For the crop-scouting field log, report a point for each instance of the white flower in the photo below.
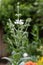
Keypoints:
(19, 21)
(25, 55)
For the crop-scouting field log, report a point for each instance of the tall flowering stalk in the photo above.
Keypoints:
(18, 15)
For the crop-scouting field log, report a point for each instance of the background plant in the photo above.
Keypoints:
(26, 37)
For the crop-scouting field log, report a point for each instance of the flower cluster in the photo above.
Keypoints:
(40, 61)
(19, 21)
(30, 63)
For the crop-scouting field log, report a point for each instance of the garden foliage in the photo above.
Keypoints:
(26, 37)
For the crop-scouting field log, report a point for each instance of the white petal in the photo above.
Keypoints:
(25, 55)
(19, 21)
